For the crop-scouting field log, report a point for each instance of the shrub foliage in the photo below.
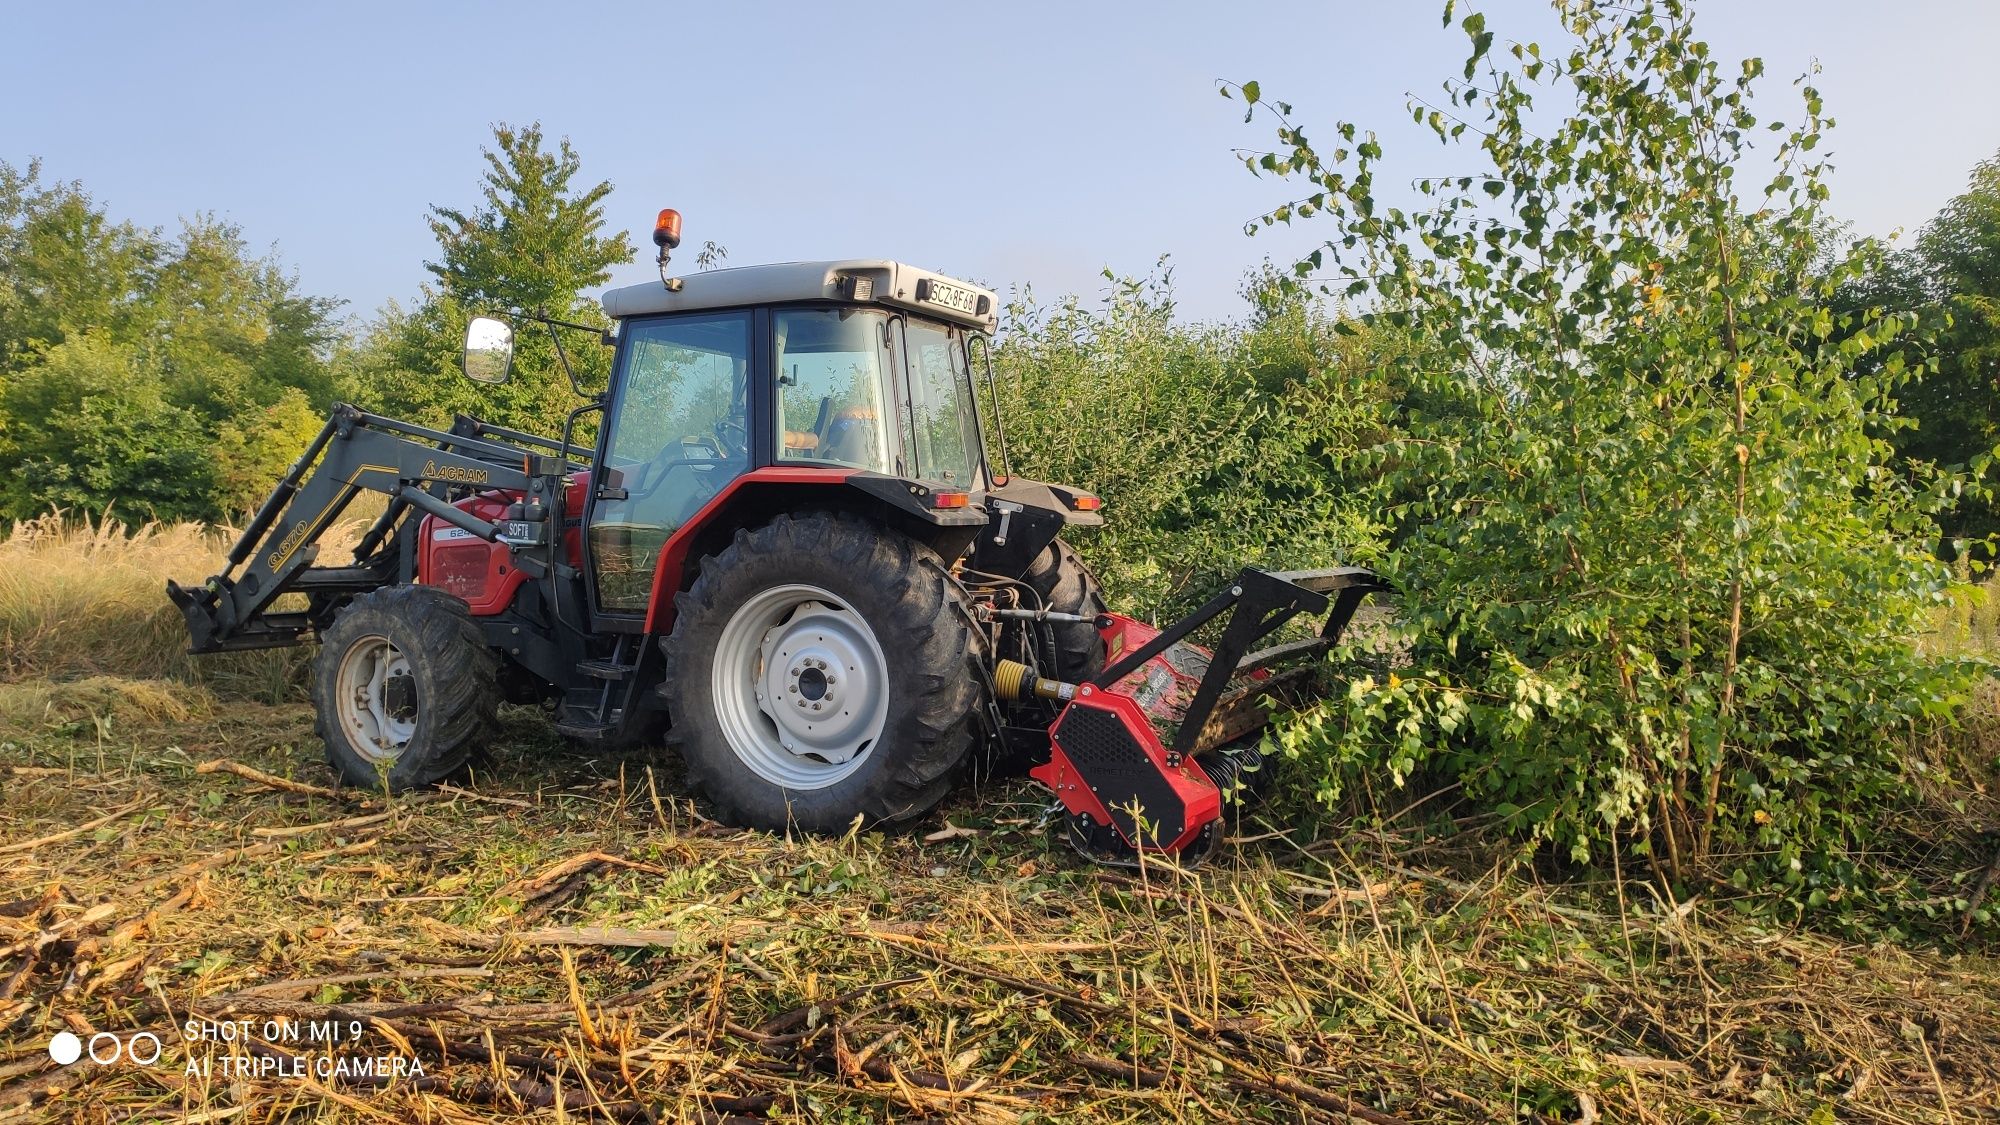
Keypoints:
(1215, 446)
(1661, 592)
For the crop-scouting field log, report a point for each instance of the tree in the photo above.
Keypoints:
(64, 265)
(1950, 278)
(1235, 445)
(535, 245)
(124, 353)
(1659, 590)
(92, 431)
(253, 451)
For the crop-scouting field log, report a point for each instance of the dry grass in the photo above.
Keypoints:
(79, 599)
(1968, 624)
(572, 942)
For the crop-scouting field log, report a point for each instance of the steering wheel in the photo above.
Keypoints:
(730, 436)
(647, 475)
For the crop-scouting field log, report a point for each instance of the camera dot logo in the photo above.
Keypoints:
(105, 1048)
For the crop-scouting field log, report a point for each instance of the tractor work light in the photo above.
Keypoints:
(950, 499)
(667, 229)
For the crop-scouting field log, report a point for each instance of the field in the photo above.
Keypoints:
(570, 939)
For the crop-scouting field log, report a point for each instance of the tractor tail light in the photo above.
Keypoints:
(1086, 503)
(950, 499)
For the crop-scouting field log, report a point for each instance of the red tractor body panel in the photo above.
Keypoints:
(482, 574)
(469, 567)
(673, 561)
(466, 566)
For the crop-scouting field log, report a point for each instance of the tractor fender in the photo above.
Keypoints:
(760, 495)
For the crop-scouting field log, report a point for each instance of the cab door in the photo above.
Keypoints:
(677, 432)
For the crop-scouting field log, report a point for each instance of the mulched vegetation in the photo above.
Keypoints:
(569, 939)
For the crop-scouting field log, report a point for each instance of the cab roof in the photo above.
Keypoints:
(877, 281)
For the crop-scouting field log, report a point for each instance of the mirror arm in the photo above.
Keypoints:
(595, 330)
(563, 355)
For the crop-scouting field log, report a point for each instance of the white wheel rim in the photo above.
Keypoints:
(376, 710)
(801, 687)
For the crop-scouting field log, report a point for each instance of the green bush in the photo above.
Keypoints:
(138, 369)
(1660, 589)
(1214, 446)
(91, 432)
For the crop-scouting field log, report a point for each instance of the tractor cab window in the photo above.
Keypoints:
(940, 426)
(678, 434)
(830, 364)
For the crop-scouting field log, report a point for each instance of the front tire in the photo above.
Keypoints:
(404, 689)
(822, 668)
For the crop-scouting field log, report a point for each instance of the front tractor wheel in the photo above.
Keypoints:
(404, 689)
(822, 668)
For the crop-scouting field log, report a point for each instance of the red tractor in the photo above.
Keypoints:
(788, 551)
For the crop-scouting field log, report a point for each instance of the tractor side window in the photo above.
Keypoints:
(830, 397)
(940, 426)
(678, 436)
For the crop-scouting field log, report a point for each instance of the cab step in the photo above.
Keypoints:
(584, 731)
(606, 669)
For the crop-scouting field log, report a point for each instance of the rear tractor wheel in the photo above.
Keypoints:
(1068, 586)
(404, 689)
(822, 668)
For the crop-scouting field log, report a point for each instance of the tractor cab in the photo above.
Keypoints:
(859, 368)
(860, 373)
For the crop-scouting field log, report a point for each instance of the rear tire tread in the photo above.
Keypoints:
(1067, 586)
(930, 734)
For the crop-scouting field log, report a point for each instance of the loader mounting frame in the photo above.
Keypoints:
(417, 468)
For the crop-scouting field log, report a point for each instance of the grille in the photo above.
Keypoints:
(1099, 741)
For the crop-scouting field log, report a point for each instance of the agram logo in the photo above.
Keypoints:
(454, 473)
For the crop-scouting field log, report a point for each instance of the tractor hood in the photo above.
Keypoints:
(874, 281)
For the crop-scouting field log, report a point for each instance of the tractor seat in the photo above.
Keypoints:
(851, 437)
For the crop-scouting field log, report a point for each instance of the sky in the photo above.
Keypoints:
(1022, 144)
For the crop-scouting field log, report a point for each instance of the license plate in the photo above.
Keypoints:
(953, 297)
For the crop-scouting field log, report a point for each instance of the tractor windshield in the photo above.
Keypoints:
(839, 372)
(830, 388)
(940, 427)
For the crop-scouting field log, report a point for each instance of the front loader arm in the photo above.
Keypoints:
(357, 452)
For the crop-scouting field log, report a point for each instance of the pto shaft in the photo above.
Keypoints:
(1013, 680)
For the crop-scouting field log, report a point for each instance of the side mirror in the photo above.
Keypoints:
(489, 350)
